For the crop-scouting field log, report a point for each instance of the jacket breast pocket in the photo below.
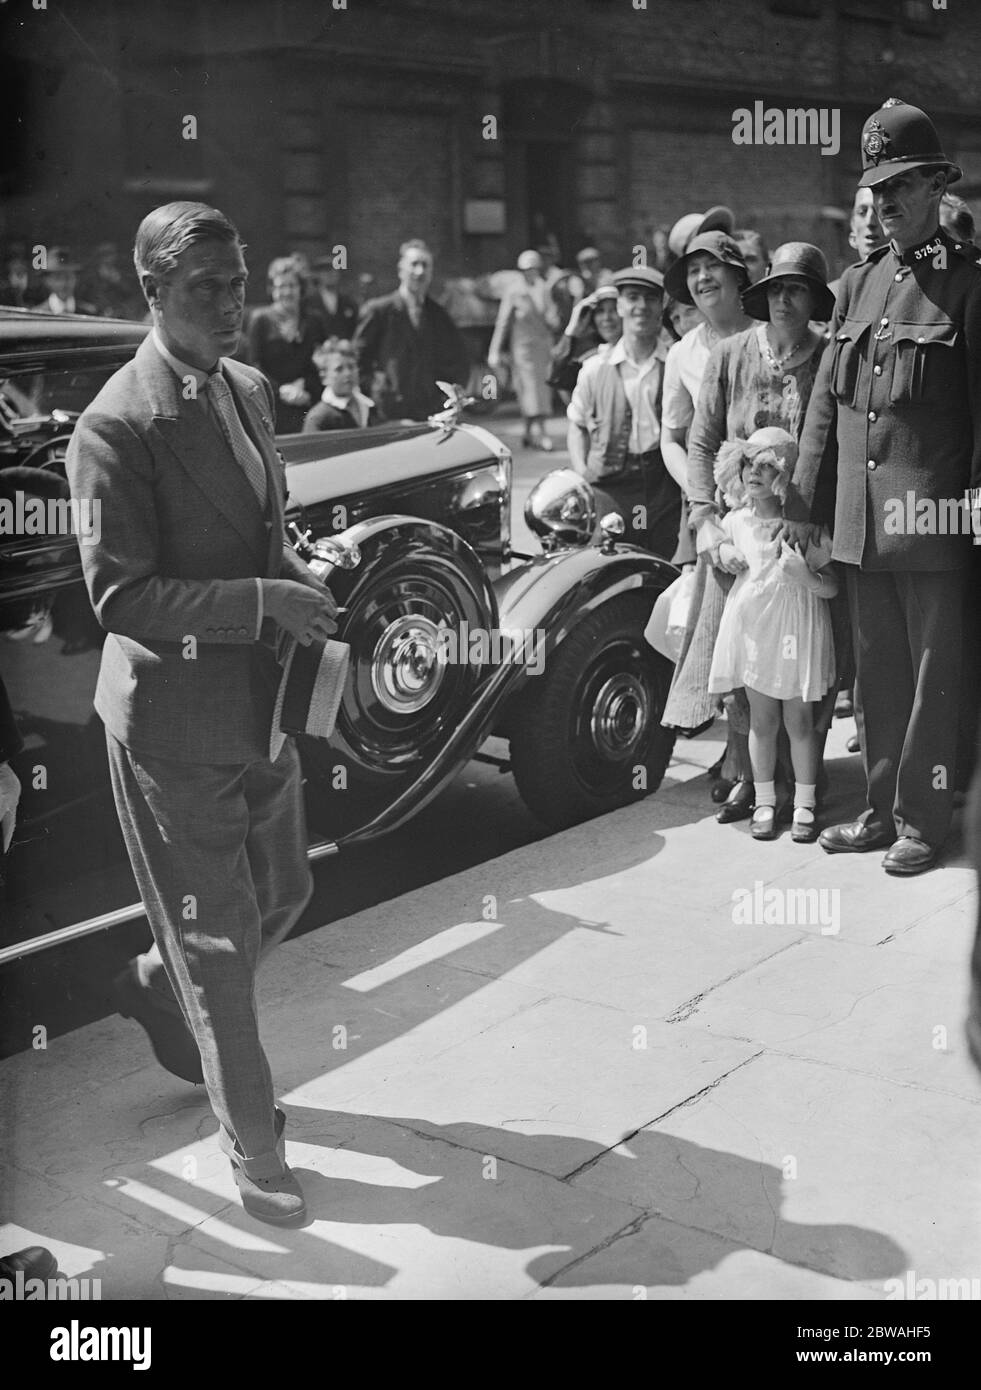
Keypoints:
(922, 362)
(847, 351)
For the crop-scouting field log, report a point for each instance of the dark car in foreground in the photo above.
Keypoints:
(453, 636)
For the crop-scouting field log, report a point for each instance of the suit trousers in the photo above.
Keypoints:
(219, 856)
(907, 628)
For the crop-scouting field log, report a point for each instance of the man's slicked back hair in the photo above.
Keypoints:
(167, 232)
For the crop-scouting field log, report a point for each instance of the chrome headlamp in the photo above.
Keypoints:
(561, 508)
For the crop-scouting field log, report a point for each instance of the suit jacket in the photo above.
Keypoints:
(182, 544)
(899, 393)
(410, 359)
(339, 324)
(324, 416)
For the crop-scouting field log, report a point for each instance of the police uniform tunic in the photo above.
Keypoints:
(899, 393)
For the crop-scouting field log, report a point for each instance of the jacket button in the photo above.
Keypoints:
(877, 370)
(872, 415)
(899, 276)
(921, 340)
(871, 465)
(883, 322)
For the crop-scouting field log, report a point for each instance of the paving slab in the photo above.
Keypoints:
(553, 1086)
(664, 1261)
(851, 1176)
(873, 1009)
(403, 1215)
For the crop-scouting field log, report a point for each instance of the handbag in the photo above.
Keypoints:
(564, 375)
(670, 616)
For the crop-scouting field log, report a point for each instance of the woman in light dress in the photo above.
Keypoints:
(527, 324)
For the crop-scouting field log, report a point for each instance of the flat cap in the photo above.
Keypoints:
(641, 276)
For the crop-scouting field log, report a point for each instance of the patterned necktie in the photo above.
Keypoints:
(246, 454)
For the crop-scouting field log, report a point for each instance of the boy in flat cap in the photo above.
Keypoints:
(614, 418)
(899, 390)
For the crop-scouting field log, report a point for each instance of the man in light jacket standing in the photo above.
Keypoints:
(192, 580)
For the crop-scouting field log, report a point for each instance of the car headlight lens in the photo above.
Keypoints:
(562, 506)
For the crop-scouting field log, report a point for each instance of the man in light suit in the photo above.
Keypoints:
(193, 583)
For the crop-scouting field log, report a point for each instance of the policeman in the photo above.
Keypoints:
(615, 427)
(900, 388)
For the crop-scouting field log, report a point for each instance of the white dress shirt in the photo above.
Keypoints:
(640, 383)
(357, 403)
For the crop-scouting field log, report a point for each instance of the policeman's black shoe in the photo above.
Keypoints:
(854, 744)
(35, 1262)
(171, 1039)
(721, 789)
(738, 805)
(910, 856)
(856, 837)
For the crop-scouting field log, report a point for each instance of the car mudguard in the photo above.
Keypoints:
(538, 603)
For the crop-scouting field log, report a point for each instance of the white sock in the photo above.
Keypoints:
(805, 797)
(766, 794)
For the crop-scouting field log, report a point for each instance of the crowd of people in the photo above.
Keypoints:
(741, 399)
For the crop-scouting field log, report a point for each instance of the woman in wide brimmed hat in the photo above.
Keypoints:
(712, 305)
(760, 376)
(527, 322)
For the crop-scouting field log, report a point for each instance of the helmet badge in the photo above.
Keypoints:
(876, 141)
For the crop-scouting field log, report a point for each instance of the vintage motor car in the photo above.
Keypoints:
(454, 637)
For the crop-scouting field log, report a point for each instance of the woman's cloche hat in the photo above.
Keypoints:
(717, 244)
(793, 258)
(693, 224)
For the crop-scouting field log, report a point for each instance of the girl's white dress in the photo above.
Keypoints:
(775, 635)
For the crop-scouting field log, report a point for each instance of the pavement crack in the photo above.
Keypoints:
(685, 1010)
(688, 1100)
(630, 1229)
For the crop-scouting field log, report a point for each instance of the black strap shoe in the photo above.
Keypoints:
(172, 1041)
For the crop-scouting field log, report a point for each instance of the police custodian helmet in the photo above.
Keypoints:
(898, 137)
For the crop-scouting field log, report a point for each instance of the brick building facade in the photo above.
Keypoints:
(357, 123)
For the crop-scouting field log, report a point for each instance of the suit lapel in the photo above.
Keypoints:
(201, 450)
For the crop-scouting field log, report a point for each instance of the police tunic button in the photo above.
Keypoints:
(899, 276)
(921, 340)
(877, 370)
(883, 322)
(872, 415)
(871, 465)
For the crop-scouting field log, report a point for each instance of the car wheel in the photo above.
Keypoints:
(586, 736)
(401, 702)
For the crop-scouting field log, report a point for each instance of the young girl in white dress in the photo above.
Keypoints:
(775, 637)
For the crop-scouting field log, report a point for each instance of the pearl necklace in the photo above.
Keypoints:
(778, 363)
